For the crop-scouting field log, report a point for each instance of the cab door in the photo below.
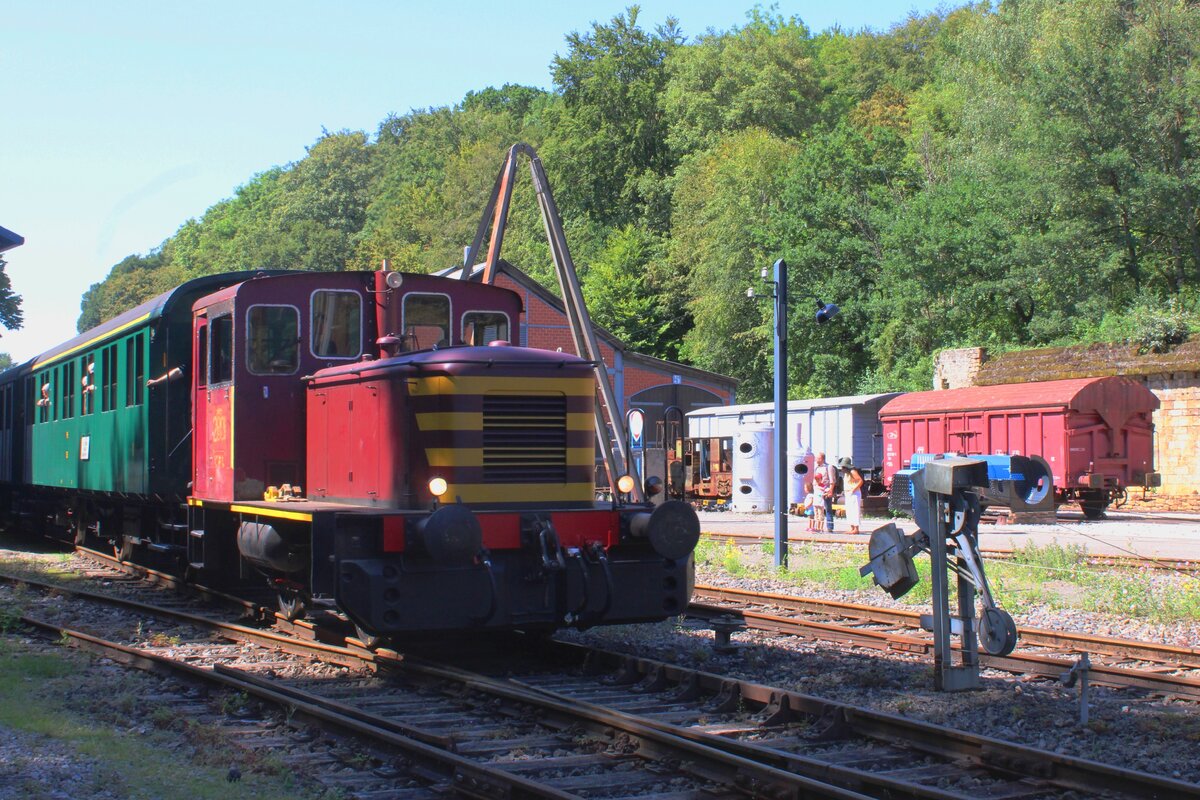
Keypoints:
(213, 446)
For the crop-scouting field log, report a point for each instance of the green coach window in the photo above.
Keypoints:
(135, 370)
(68, 390)
(108, 378)
(87, 384)
(272, 339)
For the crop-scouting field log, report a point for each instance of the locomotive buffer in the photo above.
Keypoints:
(946, 507)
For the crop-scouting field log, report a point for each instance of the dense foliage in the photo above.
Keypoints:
(1008, 175)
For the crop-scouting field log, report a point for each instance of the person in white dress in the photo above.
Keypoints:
(852, 480)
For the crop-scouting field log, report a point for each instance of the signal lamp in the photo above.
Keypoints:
(437, 486)
(826, 312)
(625, 484)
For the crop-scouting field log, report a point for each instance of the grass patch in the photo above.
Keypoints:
(67, 699)
(1054, 575)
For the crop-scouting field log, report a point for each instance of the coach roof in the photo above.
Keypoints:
(144, 313)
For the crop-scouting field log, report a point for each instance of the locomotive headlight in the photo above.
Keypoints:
(625, 484)
(437, 486)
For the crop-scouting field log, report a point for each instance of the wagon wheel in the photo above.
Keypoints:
(997, 632)
(292, 604)
(1093, 504)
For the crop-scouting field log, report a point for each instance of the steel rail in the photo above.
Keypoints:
(468, 777)
(1021, 663)
(1017, 760)
(760, 770)
(747, 776)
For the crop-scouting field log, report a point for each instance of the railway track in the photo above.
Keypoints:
(996, 553)
(1048, 653)
(566, 721)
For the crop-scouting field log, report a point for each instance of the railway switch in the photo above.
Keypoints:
(946, 505)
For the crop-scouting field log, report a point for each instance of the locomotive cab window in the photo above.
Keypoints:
(272, 339)
(482, 327)
(336, 324)
(220, 350)
(426, 321)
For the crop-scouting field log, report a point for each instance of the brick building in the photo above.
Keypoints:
(1174, 377)
(639, 381)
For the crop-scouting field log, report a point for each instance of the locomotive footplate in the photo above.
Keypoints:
(547, 577)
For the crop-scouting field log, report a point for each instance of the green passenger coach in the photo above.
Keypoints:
(109, 410)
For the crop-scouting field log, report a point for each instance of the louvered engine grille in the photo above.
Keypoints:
(524, 439)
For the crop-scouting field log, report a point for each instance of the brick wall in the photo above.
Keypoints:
(544, 326)
(957, 368)
(1177, 431)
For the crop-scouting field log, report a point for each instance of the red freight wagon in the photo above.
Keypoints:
(1095, 433)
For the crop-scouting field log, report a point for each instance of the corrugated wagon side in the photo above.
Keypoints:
(1096, 434)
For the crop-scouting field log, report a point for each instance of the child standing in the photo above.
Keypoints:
(817, 493)
(810, 505)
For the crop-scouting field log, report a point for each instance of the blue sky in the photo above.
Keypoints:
(121, 120)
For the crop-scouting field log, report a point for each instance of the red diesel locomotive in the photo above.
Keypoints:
(369, 441)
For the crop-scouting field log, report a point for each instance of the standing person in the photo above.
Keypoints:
(853, 481)
(810, 506)
(824, 475)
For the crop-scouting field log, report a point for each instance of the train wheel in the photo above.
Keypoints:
(997, 632)
(291, 605)
(123, 548)
(81, 528)
(369, 640)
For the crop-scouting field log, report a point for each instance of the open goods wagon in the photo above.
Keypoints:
(1096, 434)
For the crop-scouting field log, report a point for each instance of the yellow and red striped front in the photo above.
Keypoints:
(505, 439)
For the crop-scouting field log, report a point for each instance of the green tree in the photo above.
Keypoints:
(608, 135)
(762, 75)
(722, 235)
(11, 316)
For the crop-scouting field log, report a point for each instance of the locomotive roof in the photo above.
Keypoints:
(1081, 394)
(462, 355)
(144, 313)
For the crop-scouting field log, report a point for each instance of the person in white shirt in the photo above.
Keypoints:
(824, 477)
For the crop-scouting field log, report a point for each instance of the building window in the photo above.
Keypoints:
(336, 324)
(220, 350)
(272, 338)
(426, 321)
(481, 327)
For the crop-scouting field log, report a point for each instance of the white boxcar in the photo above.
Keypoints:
(836, 426)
